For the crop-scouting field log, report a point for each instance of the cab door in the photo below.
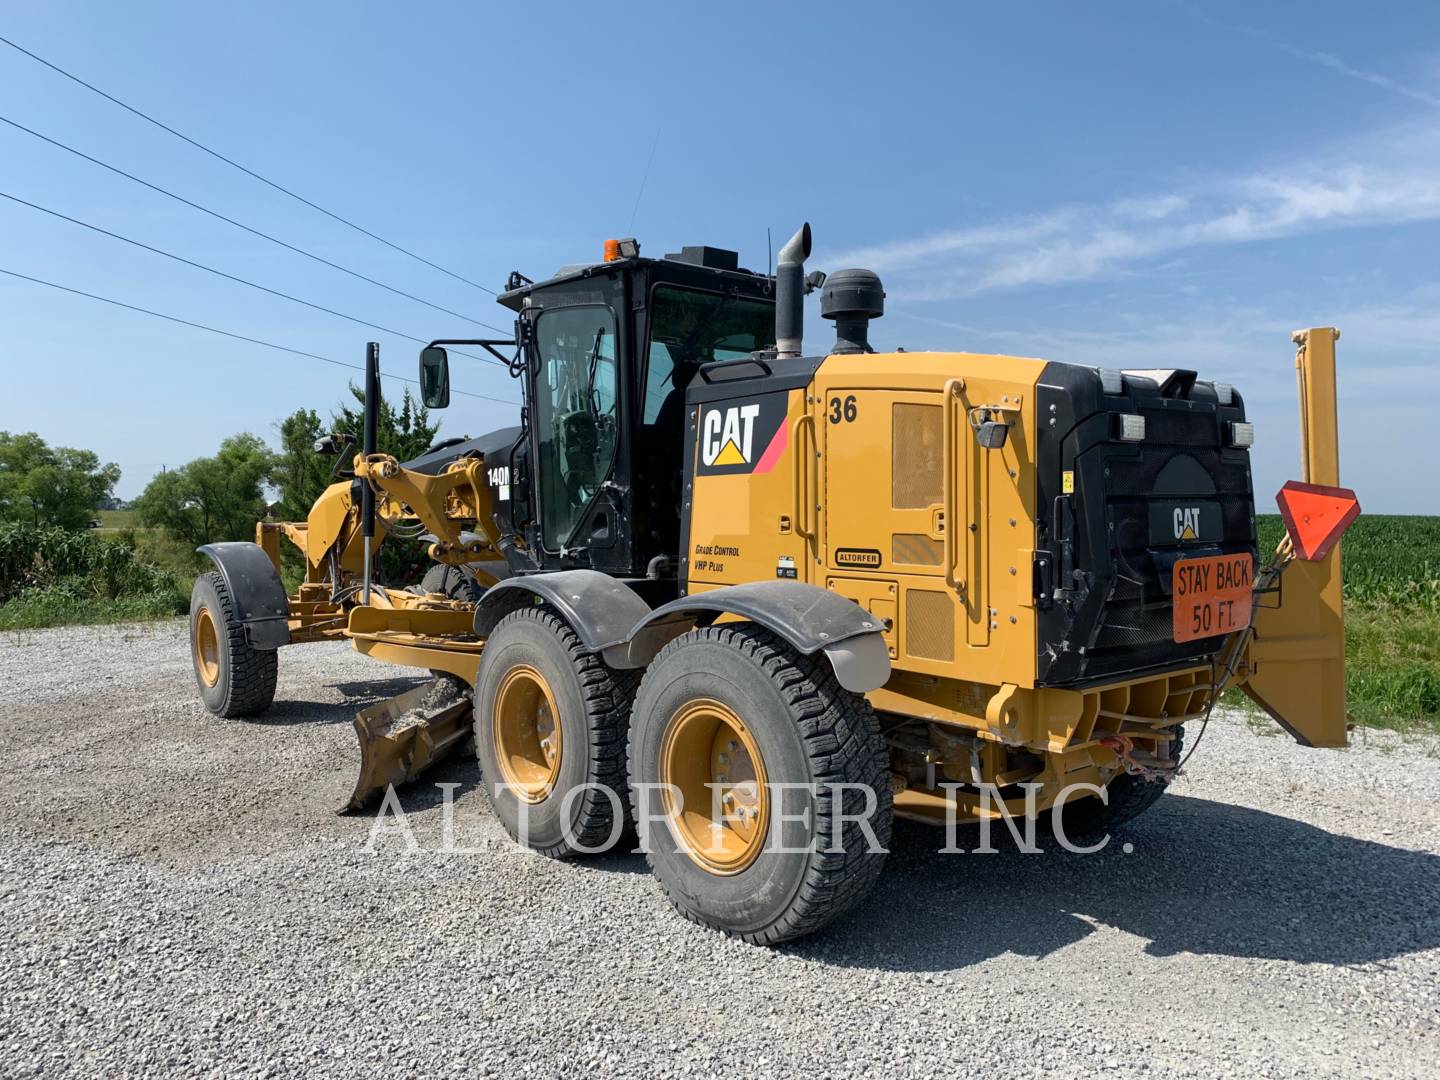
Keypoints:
(576, 425)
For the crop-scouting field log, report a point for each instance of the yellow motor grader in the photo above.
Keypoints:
(756, 603)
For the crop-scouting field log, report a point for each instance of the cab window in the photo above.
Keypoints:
(690, 328)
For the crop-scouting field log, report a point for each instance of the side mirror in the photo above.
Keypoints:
(434, 377)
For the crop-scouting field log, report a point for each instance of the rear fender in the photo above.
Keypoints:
(255, 591)
(810, 618)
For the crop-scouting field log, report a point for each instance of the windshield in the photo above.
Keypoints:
(691, 328)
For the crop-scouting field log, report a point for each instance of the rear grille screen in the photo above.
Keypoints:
(916, 456)
(929, 625)
(916, 549)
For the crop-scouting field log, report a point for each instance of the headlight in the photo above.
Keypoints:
(1132, 428)
(1242, 434)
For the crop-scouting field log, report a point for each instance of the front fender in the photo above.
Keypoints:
(255, 591)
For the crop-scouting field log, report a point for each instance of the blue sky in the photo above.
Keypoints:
(1125, 185)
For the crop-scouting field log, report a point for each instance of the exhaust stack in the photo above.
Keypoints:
(790, 293)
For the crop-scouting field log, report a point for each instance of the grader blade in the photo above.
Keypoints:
(403, 736)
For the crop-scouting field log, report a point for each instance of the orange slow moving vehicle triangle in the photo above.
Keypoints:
(1315, 515)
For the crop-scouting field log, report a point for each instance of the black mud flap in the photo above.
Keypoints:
(810, 618)
(255, 590)
(599, 608)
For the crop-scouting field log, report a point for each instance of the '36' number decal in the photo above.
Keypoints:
(842, 410)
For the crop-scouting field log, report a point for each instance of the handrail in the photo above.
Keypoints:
(706, 370)
(950, 478)
(802, 476)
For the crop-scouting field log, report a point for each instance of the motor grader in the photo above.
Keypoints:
(756, 603)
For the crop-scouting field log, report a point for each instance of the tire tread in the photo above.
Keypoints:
(252, 672)
(842, 740)
(608, 694)
(1127, 798)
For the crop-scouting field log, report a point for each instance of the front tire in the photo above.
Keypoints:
(550, 730)
(234, 678)
(736, 710)
(452, 582)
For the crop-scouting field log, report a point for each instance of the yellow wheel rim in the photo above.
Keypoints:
(206, 644)
(526, 724)
(712, 768)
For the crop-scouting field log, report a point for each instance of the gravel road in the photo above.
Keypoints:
(177, 896)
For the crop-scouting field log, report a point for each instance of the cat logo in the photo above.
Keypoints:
(729, 435)
(741, 436)
(1187, 523)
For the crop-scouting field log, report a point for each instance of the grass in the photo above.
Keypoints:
(36, 609)
(1392, 658)
(55, 577)
(115, 520)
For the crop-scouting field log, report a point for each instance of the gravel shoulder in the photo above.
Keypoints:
(179, 896)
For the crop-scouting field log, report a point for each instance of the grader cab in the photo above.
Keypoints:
(757, 603)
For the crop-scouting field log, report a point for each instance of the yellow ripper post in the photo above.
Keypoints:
(1297, 659)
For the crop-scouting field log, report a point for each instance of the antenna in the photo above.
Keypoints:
(769, 255)
(645, 176)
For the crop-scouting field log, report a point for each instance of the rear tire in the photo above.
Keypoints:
(234, 678)
(1128, 796)
(550, 730)
(788, 710)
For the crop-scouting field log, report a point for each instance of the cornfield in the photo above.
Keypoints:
(1389, 560)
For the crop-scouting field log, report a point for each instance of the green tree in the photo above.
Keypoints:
(51, 485)
(212, 498)
(301, 475)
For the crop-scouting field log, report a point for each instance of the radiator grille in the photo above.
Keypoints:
(916, 549)
(917, 456)
(929, 625)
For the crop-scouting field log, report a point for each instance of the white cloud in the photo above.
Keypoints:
(1328, 60)
(922, 250)
(1390, 179)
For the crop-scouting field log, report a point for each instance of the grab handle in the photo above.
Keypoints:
(950, 479)
(803, 500)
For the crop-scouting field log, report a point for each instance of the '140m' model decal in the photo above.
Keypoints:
(746, 436)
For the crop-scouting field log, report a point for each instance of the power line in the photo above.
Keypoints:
(230, 333)
(238, 224)
(235, 164)
(230, 277)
